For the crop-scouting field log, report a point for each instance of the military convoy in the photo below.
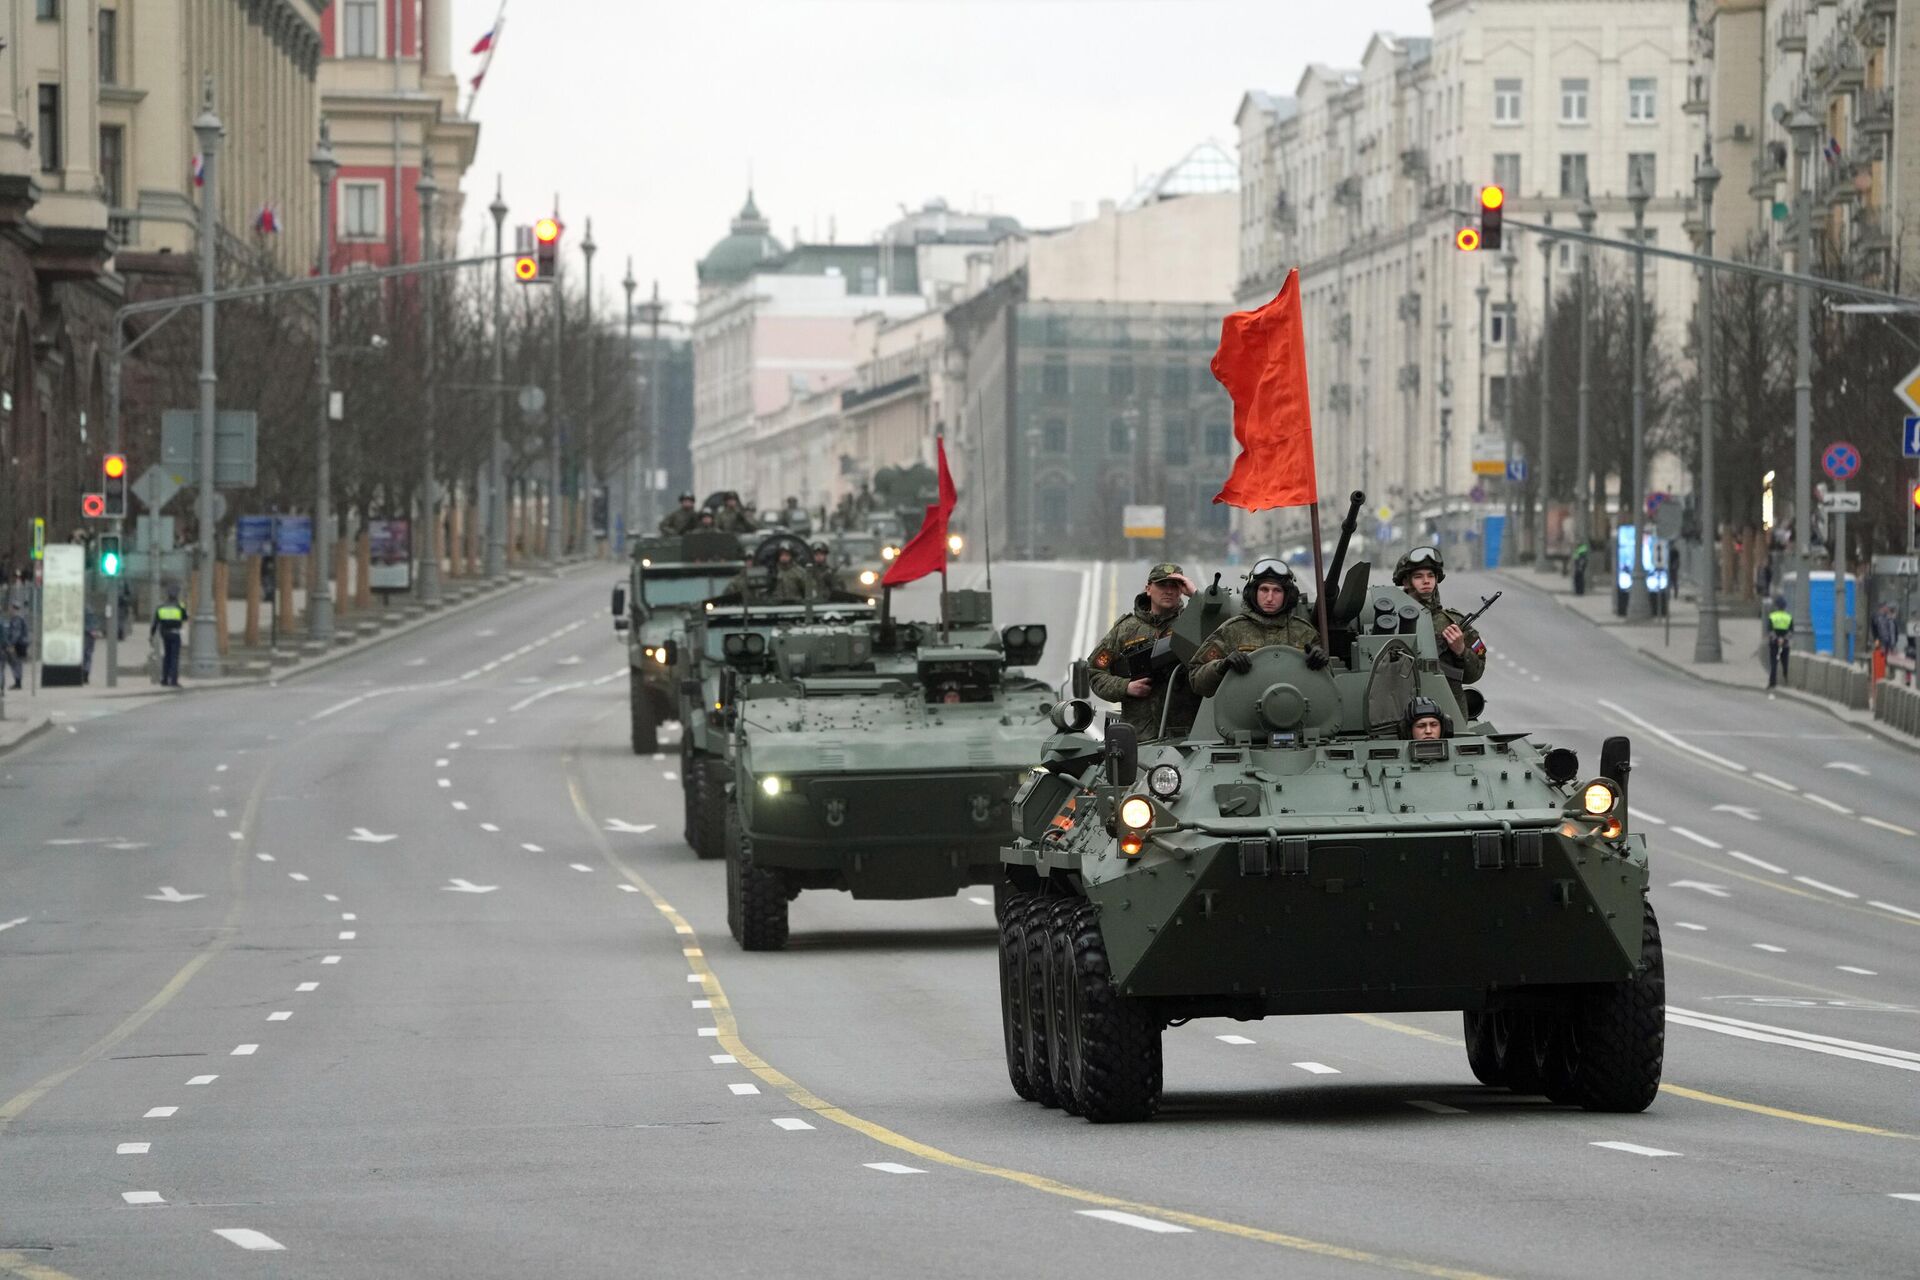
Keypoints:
(1296, 853)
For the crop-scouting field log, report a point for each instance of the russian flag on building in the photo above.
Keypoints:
(485, 42)
(199, 170)
(268, 221)
(1833, 151)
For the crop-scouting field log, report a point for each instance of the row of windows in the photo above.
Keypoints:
(1573, 172)
(1176, 441)
(1176, 381)
(1575, 95)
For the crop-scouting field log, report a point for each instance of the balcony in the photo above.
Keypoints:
(1769, 170)
(1873, 111)
(1845, 69)
(1873, 22)
(1696, 100)
(1790, 32)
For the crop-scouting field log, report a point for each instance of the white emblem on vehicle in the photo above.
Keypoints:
(836, 812)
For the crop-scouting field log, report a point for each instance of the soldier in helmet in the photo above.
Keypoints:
(682, 519)
(732, 516)
(1142, 698)
(1425, 721)
(1271, 594)
(1463, 655)
(820, 575)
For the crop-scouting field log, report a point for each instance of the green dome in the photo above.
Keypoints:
(746, 246)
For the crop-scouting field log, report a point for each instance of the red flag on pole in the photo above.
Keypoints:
(926, 551)
(1262, 362)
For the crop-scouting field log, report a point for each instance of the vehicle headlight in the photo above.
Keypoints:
(645, 563)
(659, 655)
(888, 553)
(1136, 812)
(770, 784)
(955, 542)
(1598, 798)
(1164, 781)
(868, 577)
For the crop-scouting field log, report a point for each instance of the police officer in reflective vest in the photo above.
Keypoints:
(167, 620)
(1779, 642)
(1142, 696)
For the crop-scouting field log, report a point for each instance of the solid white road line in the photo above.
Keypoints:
(1762, 1033)
(1641, 815)
(203, 1079)
(1823, 801)
(133, 1149)
(1752, 861)
(1888, 906)
(1318, 1068)
(888, 1166)
(1437, 1108)
(980, 902)
(142, 1197)
(1129, 1220)
(1768, 946)
(1233, 1040)
(242, 1050)
(1664, 736)
(159, 1113)
(247, 1238)
(1633, 1149)
(742, 1090)
(1772, 781)
(1835, 890)
(1688, 924)
(1697, 838)
(1854, 968)
(1905, 1195)
(790, 1124)
(1894, 827)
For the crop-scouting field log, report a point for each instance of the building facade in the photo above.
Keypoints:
(1366, 173)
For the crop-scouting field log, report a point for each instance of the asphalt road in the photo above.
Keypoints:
(445, 995)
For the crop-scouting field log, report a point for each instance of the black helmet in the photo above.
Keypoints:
(1421, 557)
(1419, 708)
(688, 497)
(1271, 570)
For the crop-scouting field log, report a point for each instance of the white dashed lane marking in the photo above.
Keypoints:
(1437, 1108)
(1899, 911)
(348, 935)
(281, 1016)
(1824, 887)
(1318, 1068)
(721, 1059)
(580, 866)
(159, 1113)
(1633, 1149)
(888, 1166)
(1127, 1219)
(1688, 924)
(203, 1079)
(791, 1124)
(488, 826)
(330, 960)
(295, 875)
(1233, 1040)
(1768, 946)
(1752, 861)
(247, 1238)
(742, 1090)
(533, 848)
(133, 1149)
(307, 986)
(142, 1197)
(1852, 968)
(244, 1050)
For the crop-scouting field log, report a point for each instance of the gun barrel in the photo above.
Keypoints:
(1355, 501)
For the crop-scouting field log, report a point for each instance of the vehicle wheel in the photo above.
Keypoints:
(1003, 894)
(1114, 1055)
(1482, 1055)
(646, 725)
(1036, 1047)
(756, 898)
(1013, 991)
(714, 809)
(692, 800)
(1618, 1034)
(1514, 1050)
(1058, 964)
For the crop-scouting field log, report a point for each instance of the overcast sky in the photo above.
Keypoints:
(650, 116)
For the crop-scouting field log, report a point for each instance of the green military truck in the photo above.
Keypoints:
(669, 578)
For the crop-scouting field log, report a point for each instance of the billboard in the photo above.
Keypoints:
(63, 606)
(389, 555)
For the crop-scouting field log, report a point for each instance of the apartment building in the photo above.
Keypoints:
(1361, 176)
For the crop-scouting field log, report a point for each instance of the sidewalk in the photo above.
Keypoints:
(1669, 641)
(29, 716)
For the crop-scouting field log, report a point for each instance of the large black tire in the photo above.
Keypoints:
(1482, 1055)
(715, 807)
(691, 799)
(1114, 1051)
(1618, 1034)
(1003, 893)
(756, 898)
(1037, 1048)
(646, 725)
(1013, 991)
(1058, 961)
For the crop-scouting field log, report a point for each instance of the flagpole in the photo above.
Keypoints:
(1319, 580)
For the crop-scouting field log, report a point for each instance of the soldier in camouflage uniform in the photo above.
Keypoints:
(1271, 595)
(682, 519)
(822, 581)
(1143, 699)
(732, 517)
(1463, 654)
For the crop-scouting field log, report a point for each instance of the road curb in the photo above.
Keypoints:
(1871, 726)
(38, 726)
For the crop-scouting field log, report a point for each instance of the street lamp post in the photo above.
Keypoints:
(654, 410)
(589, 491)
(1508, 260)
(1543, 474)
(1443, 335)
(429, 587)
(1366, 453)
(1639, 602)
(320, 590)
(1706, 641)
(204, 639)
(559, 297)
(1804, 127)
(629, 502)
(1582, 499)
(497, 455)
(1480, 395)
(1033, 493)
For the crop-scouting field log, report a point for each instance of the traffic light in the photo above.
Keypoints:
(113, 487)
(93, 505)
(1493, 200)
(546, 241)
(1467, 239)
(525, 268)
(109, 561)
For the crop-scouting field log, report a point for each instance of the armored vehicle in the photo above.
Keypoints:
(1297, 852)
(878, 759)
(671, 575)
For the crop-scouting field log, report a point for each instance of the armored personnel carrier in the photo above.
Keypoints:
(877, 759)
(1298, 853)
(671, 575)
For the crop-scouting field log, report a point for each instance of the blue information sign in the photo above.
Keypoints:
(254, 535)
(1841, 461)
(1517, 470)
(293, 535)
(1910, 438)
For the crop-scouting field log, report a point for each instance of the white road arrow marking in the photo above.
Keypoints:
(467, 886)
(363, 836)
(1849, 766)
(1738, 811)
(629, 828)
(170, 894)
(1702, 886)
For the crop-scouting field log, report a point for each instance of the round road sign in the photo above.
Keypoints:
(1841, 461)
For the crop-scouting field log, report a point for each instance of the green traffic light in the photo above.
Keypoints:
(110, 557)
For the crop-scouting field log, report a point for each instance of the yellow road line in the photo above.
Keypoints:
(729, 1039)
(15, 1106)
(15, 1265)
(1420, 1033)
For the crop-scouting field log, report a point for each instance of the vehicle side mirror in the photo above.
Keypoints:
(1616, 761)
(620, 622)
(1082, 679)
(672, 650)
(1123, 753)
(724, 694)
(619, 602)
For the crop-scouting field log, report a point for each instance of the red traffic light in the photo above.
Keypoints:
(1492, 198)
(546, 231)
(1466, 239)
(114, 466)
(525, 268)
(1916, 497)
(93, 505)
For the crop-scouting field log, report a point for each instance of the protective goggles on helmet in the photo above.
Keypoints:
(1271, 568)
(1424, 555)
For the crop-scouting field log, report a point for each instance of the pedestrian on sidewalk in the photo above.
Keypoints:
(1779, 642)
(166, 623)
(16, 637)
